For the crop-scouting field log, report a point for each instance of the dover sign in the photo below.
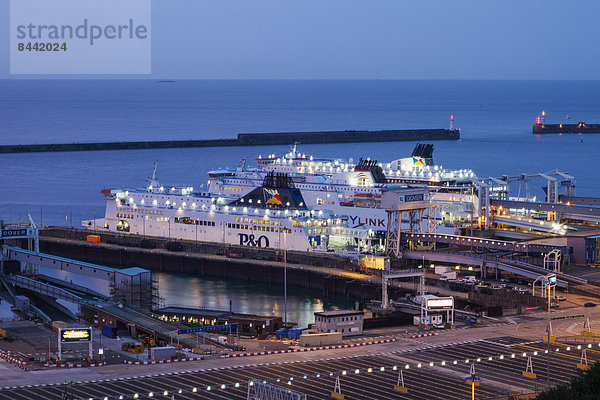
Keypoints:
(16, 233)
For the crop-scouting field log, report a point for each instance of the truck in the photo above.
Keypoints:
(448, 275)
(440, 269)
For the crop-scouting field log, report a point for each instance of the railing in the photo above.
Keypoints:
(42, 288)
(517, 265)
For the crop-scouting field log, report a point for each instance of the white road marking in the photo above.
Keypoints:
(572, 326)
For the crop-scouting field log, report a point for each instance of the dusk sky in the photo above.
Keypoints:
(382, 39)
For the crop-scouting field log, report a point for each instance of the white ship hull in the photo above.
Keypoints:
(204, 226)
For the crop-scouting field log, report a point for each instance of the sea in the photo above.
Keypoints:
(495, 119)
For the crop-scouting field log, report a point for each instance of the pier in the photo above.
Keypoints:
(248, 139)
(579, 128)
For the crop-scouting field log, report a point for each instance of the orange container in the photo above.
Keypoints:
(93, 238)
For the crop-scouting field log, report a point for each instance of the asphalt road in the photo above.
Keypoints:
(499, 362)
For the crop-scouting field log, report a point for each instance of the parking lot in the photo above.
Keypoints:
(436, 372)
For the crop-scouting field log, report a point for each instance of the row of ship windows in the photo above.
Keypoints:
(146, 217)
(154, 197)
(319, 201)
(346, 232)
(317, 231)
(158, 219)
(301, 186)
(367, 204)
(340, 196)
(258, 221)
(191, 221)
(259, 228)
(140, 211)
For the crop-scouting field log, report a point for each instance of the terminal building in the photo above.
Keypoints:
(347, 322)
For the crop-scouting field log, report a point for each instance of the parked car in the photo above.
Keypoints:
(589, 304)
(560, 298)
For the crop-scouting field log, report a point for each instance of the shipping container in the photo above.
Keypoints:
(321, 339)
(281, 333)
(110, 331)
(93, 238)
(294, 333)
(161, 353)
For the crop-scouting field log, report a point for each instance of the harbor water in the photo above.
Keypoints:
(246, 297)
(495, 118)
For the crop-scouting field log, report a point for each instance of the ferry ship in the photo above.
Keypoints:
(273, 215)
(353, 191)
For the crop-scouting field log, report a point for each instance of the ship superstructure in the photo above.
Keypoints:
(353, 190)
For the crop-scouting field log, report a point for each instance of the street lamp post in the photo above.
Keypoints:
(550, 281)
(284, 278)
(548, 340)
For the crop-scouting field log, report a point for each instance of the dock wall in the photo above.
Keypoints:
(331, 275)
(248, 139)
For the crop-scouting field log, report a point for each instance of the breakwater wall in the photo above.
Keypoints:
(248, 139)
(579, 128)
